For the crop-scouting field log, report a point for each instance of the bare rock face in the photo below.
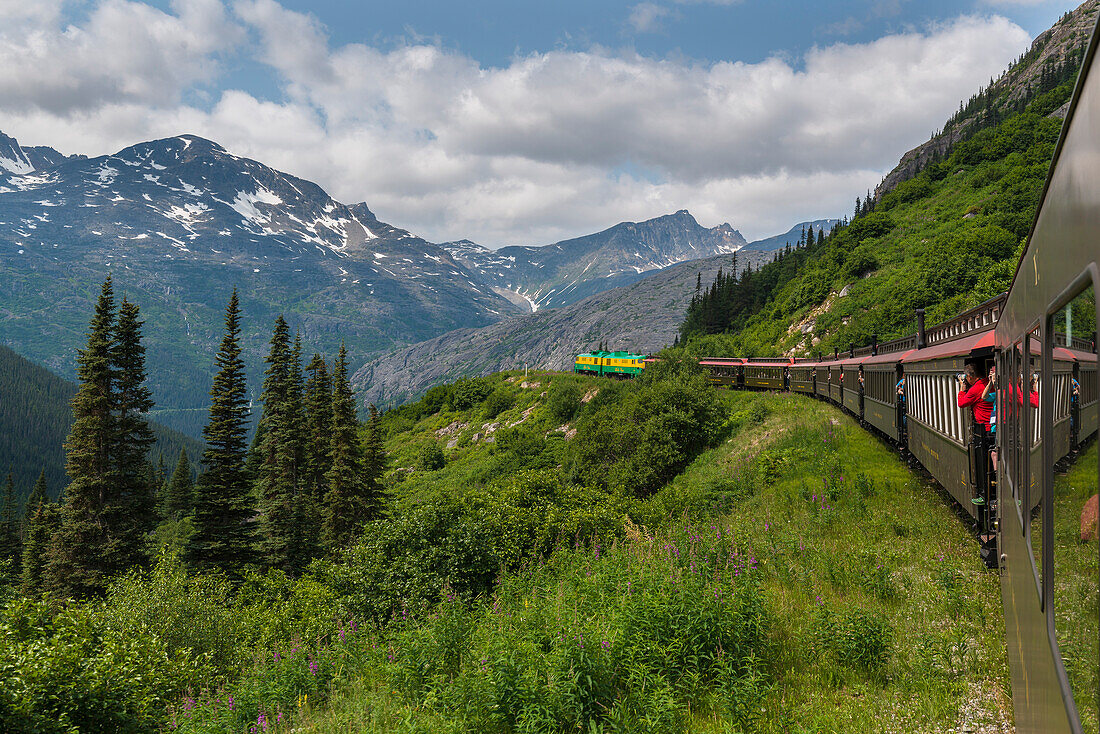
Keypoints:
(1089, 514)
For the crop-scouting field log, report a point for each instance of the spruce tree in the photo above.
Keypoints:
(345, 505)
(316, 456)
(277, 462)
(132, 509)
(223, 536)
(318, 447)
(374, 462)
(39, 495)
(179, 496)
(39, 527)
(9, 522)
(82, 554)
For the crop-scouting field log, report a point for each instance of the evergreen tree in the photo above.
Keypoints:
(318, 449)
(278, 450)
(179, 496)
(39, 496)
(39, 526)
(9, 522)
(223, 536)
(374, 462)
(82, 555)
(821, 236)
(346, 509)
(132, 509)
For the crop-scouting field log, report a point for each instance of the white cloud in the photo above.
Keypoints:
(536, 150)
(646, 17)
(125, 52)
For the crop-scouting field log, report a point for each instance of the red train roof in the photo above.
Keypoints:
(954, 348)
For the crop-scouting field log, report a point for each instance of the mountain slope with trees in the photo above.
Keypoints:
(35, 417)
(945, 239)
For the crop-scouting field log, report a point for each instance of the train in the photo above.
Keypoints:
(1046, 391)
(905, 390)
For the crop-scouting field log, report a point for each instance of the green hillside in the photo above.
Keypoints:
(944, 240)
(35, 418)
(564, 553)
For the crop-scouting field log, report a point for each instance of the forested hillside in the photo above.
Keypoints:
(944, 240)
(35, 418)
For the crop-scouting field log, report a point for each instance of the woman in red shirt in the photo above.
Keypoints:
(971, 387)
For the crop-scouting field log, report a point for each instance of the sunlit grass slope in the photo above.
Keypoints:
(797, 577)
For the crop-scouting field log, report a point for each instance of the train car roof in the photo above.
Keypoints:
(716, 362)
(1077, 354)
(889, 358)
(767, 364)
(954, 348)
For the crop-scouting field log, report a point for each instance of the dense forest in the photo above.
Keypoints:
(944, 241)
(35, 417)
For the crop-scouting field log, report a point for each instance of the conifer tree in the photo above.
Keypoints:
(9, 522)
(82, 554)
(278, 451)
(179, 495)
(318, 448)
(374, 462)
(41, 521)
(132, 508)
(316, 458)
(39, 495)
(345, 505)
(223, 535)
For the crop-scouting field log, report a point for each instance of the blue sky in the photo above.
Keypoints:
(521, 122)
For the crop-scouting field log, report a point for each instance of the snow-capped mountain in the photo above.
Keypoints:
(180, 222)
(567, 271)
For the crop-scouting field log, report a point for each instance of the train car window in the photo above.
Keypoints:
(1024, 391)
(1076, 559)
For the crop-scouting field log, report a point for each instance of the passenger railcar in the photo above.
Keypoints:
(613, 364)
(883, 407)
(765, 374)
(723, 372)
(801, 376)
(1057, 277)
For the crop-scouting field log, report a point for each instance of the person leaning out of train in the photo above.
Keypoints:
(971, 389)
(989, 395)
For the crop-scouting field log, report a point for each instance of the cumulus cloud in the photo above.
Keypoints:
(548, 146)
(646, 17)
(125, 52)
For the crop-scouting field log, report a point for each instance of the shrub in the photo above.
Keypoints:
(431, 457)
(647, 437)
(498, 401)
(858, 639)
(65, 671)
(467, 393)
(563, 400)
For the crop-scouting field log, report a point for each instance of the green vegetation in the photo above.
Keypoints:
(944, 241)
(35, 417)
(790, 575)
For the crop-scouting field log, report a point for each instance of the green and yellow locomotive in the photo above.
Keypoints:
(612, 364)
